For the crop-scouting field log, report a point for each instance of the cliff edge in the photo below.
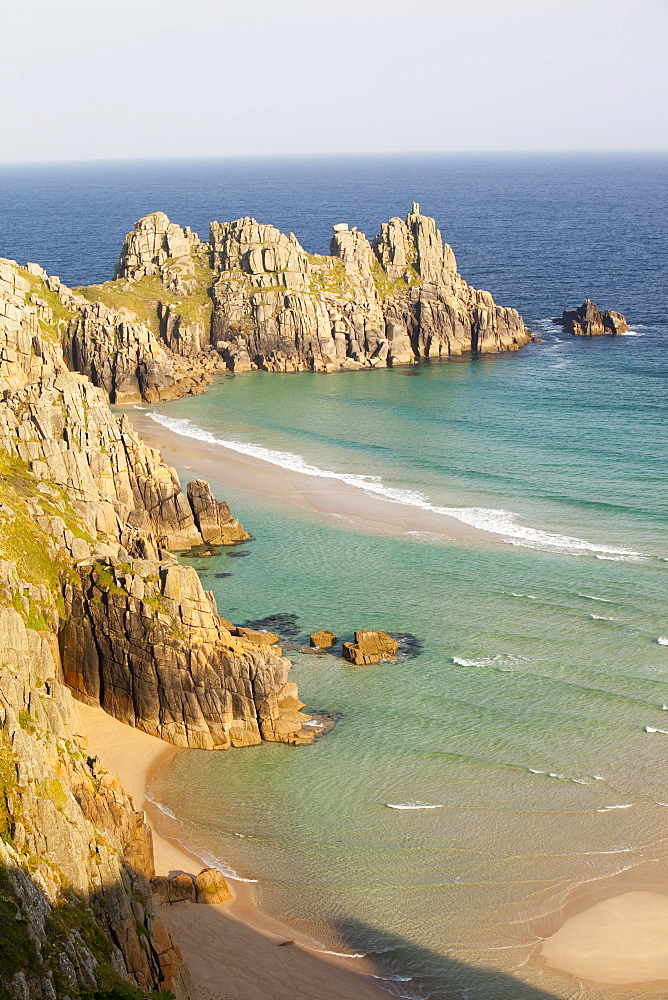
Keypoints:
(94, 606)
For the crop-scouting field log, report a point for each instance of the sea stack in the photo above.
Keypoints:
(588, 321)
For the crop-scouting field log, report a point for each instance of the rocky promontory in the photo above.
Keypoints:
(181, 309)
(94, 606)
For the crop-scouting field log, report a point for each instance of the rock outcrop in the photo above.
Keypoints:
(587, 321)
(370, 646)
(323, 639)
(93, 604)
(182, 888)
(181, 310)
(213, 517)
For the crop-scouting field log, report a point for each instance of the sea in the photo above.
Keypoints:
(513, 764)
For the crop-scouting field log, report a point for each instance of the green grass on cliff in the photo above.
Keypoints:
(23, 542)
(52, 331)
(142, 298)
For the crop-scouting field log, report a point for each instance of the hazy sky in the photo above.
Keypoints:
(80, 79)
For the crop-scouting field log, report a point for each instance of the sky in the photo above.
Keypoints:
(86, 80)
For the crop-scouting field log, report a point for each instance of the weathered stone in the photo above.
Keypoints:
(320, 640)
(258, 636)
(370, 646)
(181, 889)
(211, 887)
(587, 321)
(213, 517)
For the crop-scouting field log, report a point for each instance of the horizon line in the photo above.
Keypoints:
(332, 155)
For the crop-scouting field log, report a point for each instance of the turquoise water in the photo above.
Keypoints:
(522, 720)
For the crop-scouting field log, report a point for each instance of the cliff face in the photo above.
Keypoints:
(181, 309)
(92, 602)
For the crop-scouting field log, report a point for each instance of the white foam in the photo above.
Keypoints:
(414, 805)
(340, 954)
(531, 597)
(623, 805)
(603, 618)
(590, 597)
(499, 522)
(502, 661)
(662, 640)
(393, 979)
(651, 729)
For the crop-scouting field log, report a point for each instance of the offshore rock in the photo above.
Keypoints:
(213, 517)
(587, 321)
(323, 639)
(370, 646)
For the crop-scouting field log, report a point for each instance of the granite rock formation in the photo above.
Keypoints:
(587, 321)
(91, 594)
(181, 310)
(370, 646)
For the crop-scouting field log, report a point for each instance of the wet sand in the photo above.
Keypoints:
(620, 941)
(330, 497)
(232, 949)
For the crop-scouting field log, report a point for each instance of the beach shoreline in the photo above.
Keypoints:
(233, 950)
(329, 497)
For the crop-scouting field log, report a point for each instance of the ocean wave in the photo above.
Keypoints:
(414, 805)
(340, 954)
(651, 729)
(501, 661)
(662, 640)
(590, 597)
(498, 522)
(622, 805)
(393, 979)
(603, 618)
(531, 597)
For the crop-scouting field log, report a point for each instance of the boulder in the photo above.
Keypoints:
(211, 887)
(258, 637)
(320, 640)
(181, 889)
(370, 646)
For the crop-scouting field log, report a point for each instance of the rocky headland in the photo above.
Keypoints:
(180, 309)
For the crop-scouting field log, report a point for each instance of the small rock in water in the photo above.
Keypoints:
(221, 576)
(238, 555)
(323, 639)
(370, 646)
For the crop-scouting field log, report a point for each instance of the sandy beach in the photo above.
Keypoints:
(329, 497)
(233, 951)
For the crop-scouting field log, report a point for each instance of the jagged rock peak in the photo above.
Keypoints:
(153, 242)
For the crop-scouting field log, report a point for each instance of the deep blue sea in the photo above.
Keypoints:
(520, 761)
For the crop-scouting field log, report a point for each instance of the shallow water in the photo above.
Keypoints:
(465, 791)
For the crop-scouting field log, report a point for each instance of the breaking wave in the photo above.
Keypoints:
(414, 805)
(499, 522)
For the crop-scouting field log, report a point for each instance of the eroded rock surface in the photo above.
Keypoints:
(588, 321)
(93, 602)
(370, 646)
(181, 310)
